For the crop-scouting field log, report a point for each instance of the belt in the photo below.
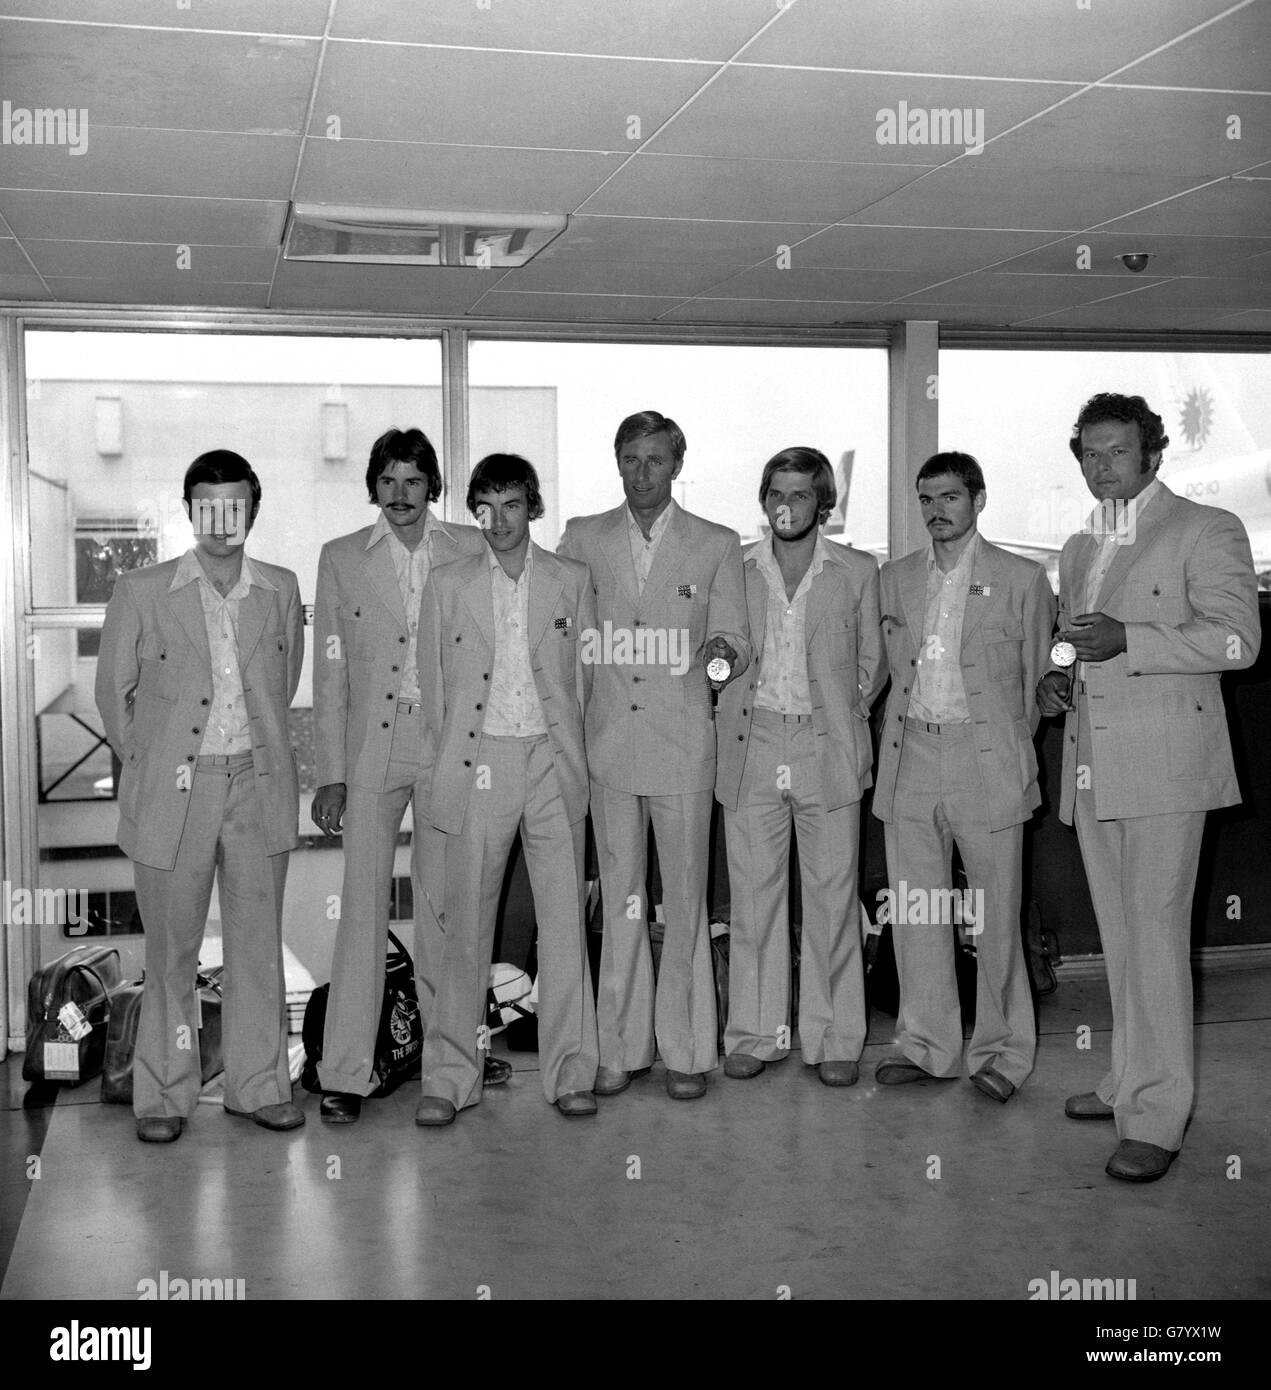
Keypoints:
(776, 717)
(945, 728)
(226, 760)
(409, 706)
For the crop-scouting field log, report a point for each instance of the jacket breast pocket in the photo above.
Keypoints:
(159, 675)
(275, 661)
(839, 637)
(1005, 649)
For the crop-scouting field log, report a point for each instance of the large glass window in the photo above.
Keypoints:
(1014, 410)
(559, 404)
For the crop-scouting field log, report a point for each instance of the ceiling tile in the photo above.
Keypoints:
(111, 217)
(150, 291)
(779, 313)
(109, 259)
(526, 100)
(568, 308)
(653, 28)
(1118, 314)
(1234, 53)
(1029, 38)
(22, 287)
(992, 287)
(239, 16)
(255, 85)
(772, 190)
(12, 261)
(607, 277)
(969, 194)
(864, 286)
(939, 251)
(425, 290)
(463, 178)
(659, 240)
(1171, 255)
(841, 116)
(172, 162)
(1201, 292)
(1141, 132)
(1231, 207)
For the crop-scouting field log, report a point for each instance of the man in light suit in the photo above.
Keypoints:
(1158, 598)
(200, 658)
(794, 748)
(670, 597)
(374, 748)
(507, 687)
(968, 627)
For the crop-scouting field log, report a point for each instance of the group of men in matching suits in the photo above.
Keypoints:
(496, 687)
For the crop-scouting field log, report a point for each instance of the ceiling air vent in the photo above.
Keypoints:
(407, 236)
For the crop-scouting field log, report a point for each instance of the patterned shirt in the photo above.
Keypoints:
(513, 709)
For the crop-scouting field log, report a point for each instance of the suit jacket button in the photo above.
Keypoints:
(204, 702)
(467, 762)
(390, 696)
(635, 707)
(486, 677)
(472, 733)
(741, 738)
(384, 725)
(912, 662)
(396, 669)
(478, 706)
(190, 759)
(745, 711)
(195, 731)
(402, 640)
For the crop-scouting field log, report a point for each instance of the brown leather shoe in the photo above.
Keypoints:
(159, 1129)
(838, 1073)
(285, 1115)
(682, 1085)
(895, 1071)
(433, 1110)
(990, 1082)
(574, 1104)
(1137, 1161)
(741, 1066)
(340, 1107)
(1088, 1106)
(495, 1071)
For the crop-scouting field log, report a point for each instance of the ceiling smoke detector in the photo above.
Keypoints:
(1135, 260)
(408, 236)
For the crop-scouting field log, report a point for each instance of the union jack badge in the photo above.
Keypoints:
(980, 590)
(687, 591)
(563, 624)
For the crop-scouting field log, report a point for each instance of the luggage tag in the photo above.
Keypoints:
(72, 1019)
(61, 1061)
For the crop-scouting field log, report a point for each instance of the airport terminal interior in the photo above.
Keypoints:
(281, 227)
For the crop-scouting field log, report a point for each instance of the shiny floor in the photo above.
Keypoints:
(765, 1186)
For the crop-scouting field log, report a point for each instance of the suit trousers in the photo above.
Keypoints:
(1142, 874)
(516, 788)
(781, 787)
(939, 803)
(372, 820)
(630, 1013)
(222, 840)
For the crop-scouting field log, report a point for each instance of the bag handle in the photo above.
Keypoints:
(401, 950)
(88, 970)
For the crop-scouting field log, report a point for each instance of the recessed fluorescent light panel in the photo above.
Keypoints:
(407, 236)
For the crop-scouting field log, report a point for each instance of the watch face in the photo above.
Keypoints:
(1063, 653)
(717, 669)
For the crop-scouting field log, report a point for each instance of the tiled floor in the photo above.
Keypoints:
(773, 1182)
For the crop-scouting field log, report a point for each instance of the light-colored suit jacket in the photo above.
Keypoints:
(1187, 593)
(154, 690)
(456, 659)
(360, 645)
(650, 725)
(1006, 639)
(846, 670)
